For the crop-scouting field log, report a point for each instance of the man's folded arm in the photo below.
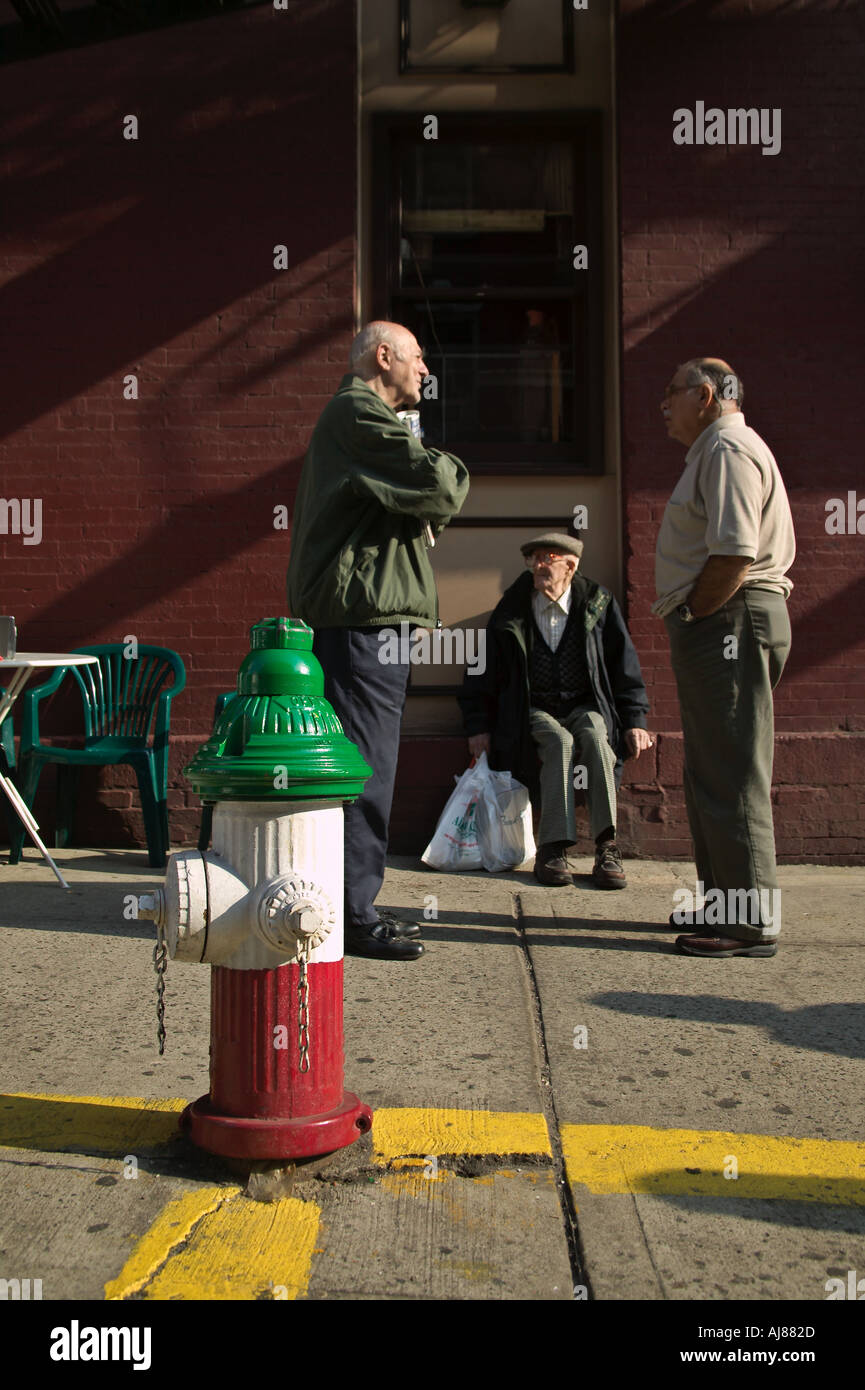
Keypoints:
(394, 468)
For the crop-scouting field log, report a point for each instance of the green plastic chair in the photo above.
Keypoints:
(206, 829)
(124, 697)
(7, 767)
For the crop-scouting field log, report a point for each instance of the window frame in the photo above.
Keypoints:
(567, 62)
(584, 131)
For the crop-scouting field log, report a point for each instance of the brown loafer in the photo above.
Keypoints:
(721, 947)
(551, 866)
(608, 870)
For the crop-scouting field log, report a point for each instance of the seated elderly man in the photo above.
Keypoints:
(562, 683)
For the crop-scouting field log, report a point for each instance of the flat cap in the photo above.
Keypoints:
(554, 540)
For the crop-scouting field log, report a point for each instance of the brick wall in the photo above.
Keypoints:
(155, 257)
(819, 808)
(757, 259)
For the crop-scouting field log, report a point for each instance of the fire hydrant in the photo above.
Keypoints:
(264, 908)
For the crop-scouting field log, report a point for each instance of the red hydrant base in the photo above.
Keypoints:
(307, 1136)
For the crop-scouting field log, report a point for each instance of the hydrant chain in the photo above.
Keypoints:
(303, 1039)
(160, 957)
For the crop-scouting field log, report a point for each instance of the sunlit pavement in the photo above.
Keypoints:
(564, 1106)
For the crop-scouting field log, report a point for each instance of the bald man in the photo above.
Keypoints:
(369, 503)
(724, 548)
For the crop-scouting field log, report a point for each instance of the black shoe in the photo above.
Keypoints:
(608, 870)
(380, 942)
(551, 866)
(723, 947)
(398, 926)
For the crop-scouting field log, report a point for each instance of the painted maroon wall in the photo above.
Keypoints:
(155, 257)
(758, 259)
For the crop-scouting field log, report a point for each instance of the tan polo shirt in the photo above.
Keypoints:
(730, 500)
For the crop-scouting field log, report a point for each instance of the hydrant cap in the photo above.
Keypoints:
(278, 660)
(278, 737)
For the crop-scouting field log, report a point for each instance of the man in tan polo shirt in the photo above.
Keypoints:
(724, 548)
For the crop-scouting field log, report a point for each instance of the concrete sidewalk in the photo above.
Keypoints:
(562, 1102)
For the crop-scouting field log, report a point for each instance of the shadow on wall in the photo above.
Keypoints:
(159, 261)
(162, 232)
(754, 257)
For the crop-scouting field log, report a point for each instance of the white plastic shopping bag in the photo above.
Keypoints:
(454, 845)
(487, 823)
(504, 822)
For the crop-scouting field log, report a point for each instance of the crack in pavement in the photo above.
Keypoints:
(576, 1252)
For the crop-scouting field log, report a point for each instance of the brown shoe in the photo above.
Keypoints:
(608, 871)
(551, 866)
(721, 947)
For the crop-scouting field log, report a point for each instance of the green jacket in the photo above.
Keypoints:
(359, 556)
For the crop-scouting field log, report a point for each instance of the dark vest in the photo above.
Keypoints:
(559, 680)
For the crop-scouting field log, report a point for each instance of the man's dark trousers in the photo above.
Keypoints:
(368, 696)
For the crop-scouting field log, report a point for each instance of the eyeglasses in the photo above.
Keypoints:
(674, 391)
(544, 557)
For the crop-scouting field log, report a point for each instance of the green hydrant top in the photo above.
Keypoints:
(278, 737)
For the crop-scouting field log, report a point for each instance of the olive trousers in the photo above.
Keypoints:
(726, 668)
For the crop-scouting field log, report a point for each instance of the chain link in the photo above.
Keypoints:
(303, 1039)
(160, 960)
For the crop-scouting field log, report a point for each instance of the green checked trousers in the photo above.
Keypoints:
(726, 667)
(578, 738)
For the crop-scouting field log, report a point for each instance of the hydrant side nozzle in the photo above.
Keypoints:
(292, 911)
(151, 906)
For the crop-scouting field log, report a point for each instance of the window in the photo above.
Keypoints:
(475, 235)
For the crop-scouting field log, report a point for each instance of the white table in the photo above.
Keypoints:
(24, 664)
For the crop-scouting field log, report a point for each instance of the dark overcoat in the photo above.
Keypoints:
(497, 700)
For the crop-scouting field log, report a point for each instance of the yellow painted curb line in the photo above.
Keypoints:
(244, 1250)
(637, 1158)
(238, 1249)
(116, 1124)
(399, 1133)
(109, 1124)
(171, 1227)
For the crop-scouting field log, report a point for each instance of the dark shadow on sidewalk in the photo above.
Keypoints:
(793, 1205)
(96, 909)
(140, 1131)
(836, 1028)
(93, 909)
(481, 928)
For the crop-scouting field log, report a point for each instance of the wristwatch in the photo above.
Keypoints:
(685, 614)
